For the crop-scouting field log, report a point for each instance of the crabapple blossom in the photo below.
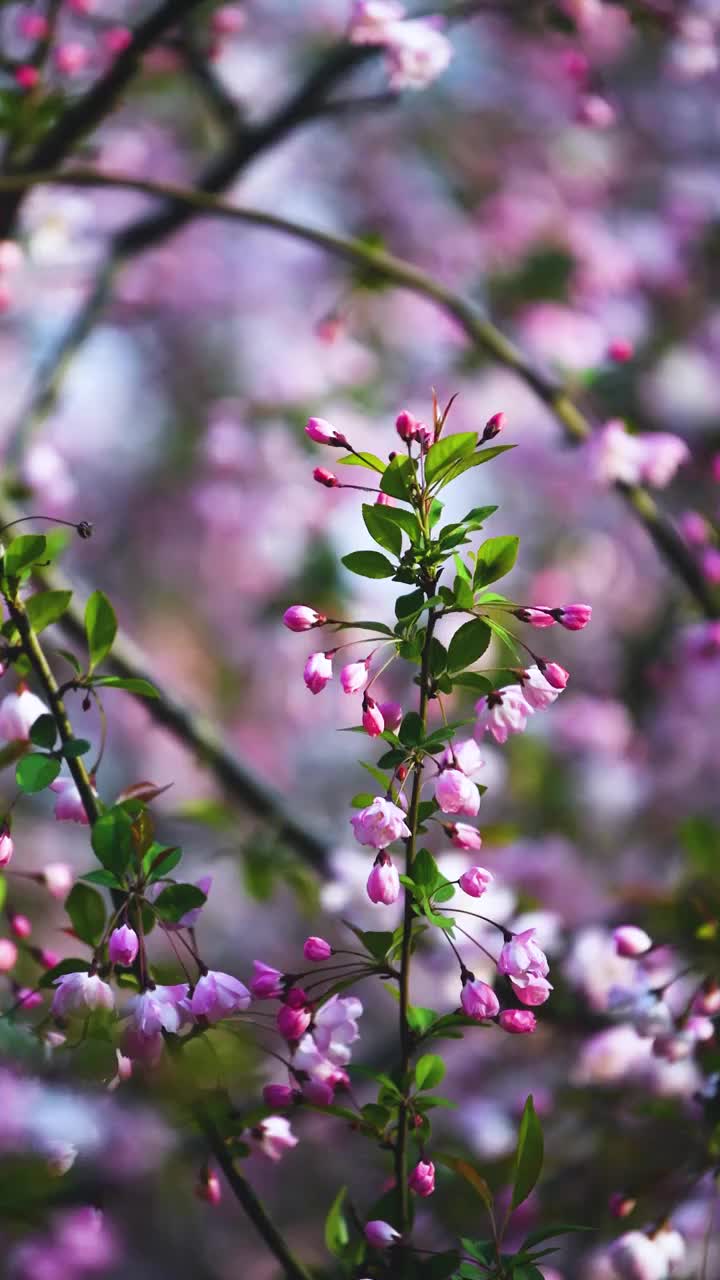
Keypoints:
(534, 992)
(278, 1095)
(380, 823)
(57, 878)
(295, 1016)
(479, 1000)
(493, 427)
(20, 926)
(323, 433)
(301, 617)
(463, 836)
(522, 959)
(7, 847)
(326, 478)
(383, 885)
(621, 350)
(422, 1178)
(316, 949)
(631, 941)
(123, 946)
(406, 425)
(335, 1027)
(272, 1137)
(392, 714)
(69, 805)
(80, 993)
(218, 995)
(372, 718)
(266, 983)
(18, 713)
(417, 53)
(456, 793)
(464, 756)
(369, 20)
(380, 1234)
(519, 1022)
(475, 881)
(537, 617)
(8, 955)
(208, 1188)
(318, 670)
(502, 712)
(355, 675)
(538, 691)
(555, 675)
(159, 1009)
(635, 1257)
(27, 77)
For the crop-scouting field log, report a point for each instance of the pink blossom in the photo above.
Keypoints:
(522, 959)
(417, 53)
(574, 617)
(621, 350)
(479, 1000)
(538, 692)
(694, 528)
(228, 20)
(537, 617)
(380, 824)
(8, 955)
(7, 847)
(318, 670)
(372, 718)
(651, 459)
(208, 1188)
(380, 1234)
(316, 949)
(595, 111)
(266, 983)
(464, 756)
(218, 995)
(354, 676)
(635, 1257)
(392, 714)
(456, 793)
(631, 941)
(422, 1178)
(493, 427)
(301, 617)
(406, 425)
(71, 58)
(662, 455)
(710, 561)
(278, 1095)
(20, 926)
(69, 806)
(293, 1019)
(159, 1009)
(318, 1093)
(27, 77)
(80, 993)
(33, 26)
(383, 885)
(384, 500)
(502, 712)
(123, 946)
(707, 1001)
(371, 18)
(323, 433)
(534, 992)
(464, 836)
(117, 39)
(475, 881)
(519, 1022)
(272, 1137)
(336, 1028)
(556, 675)
(18, 713)
(57, 878)
(323, 476)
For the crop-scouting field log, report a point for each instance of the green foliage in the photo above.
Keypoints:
(429, 1071)
(529, 1155)
(368, 564)
(398, 479)
(44, 732)
(443, 456)
(176, 900)
(100, 627)
(495, 558)
(86, 910)
(337, 1234)
(47, 607)
(23, 552)
(133, 684)
(35, 772)
(468, 644)
(112, 840)
(383, 531)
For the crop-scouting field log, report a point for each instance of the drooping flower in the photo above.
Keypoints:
(159, 1009)
(272, 1137)
(380, 824)
(80, 993)
(123, 946)
(295, 1015)
(518, 1022)
(631, 941)
(522, 959)
(392, 714)
(266, 983)
(537, 689)
(18, 713)
(218, 995)
(456, 793)
(279, 1095)
(422, 1178)
(316, 949)
(464, 756)
(383, 884)
(318, 671)
(301, 617)
(354, 676)
(372, 717)
(534, 992)
(336, 1028)
(464, 836)
(69, 806)
(7, 848)
(380, 1234)
(502, 712)
(475, 881)
(479, 1000)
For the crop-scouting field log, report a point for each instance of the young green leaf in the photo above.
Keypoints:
(368, 460)
(442, 456)
(381, 530)
(368, 564)
(100, 627)
(468, 644)
(43, 732)
(46, 607)
(133, 684)
(337, 1235)
(86, 910)
(529, 1156)
(24, 551)
(35, 772)
(112, 840)
(177, 899)
(429, 1071)
(398, 478)
(495, 558)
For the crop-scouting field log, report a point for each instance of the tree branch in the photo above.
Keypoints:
(481, 332)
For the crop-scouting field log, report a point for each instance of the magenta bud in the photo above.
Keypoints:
(383, 885)
(279, 1096)
(476, 881)
(406, 425)
(323, 476)
(574, 616)
(123, 946)
(300, 617)
(518, 1022)
(355, 675)
(493, 427)
(322, 432)
(372, 718)
(478, 1000)
(317, 672)
(631, 941)
(208, 1188)
(318, 1092)
(621, 350)
(384, 500)
(392, 714)
(422, 1178)
(555, 675)
(380, 1234)
(620, 1205)
(20, 926)
(316, 949)
(292, 1023)
(464, 836)
(536, 617)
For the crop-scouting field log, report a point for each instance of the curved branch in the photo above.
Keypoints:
(481, 332)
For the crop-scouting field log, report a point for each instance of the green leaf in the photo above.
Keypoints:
(76, 747)
(159, 861)
(429, 1071)
(472, 1176)
(337, 1235)
(24, 551)
(46, 607)
(441, 456)
(420, 1019)
(440, 1267)
(376, 944)
(100, 627)
(112, 840)
(700, 837)
(550, 1233)
(102, 877)
(362, 799)
(133, 685)
(397, 479)
(35, 772)
(425, 872)
(177, 899)
(468, 644)
(411, 730)
(368, 460)
(476, 459)
(405, 520)
(407, 606)
(495, 558)
(366, 626)
(86, 910)
(368, 564)
(72, 965)
(529, 1157)
(382, 531)
(43, 732)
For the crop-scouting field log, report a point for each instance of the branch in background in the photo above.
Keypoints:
(481, 332)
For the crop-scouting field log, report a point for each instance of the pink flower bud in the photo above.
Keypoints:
(7, 847)
(71, 58)
(273, 1137)
(464, 836)
(700, 1028)
(323, 476)
(316, 949)
(519, 1022)
(20, 926)
(424, 436)
(384, 500)
(621, 350)
(635, 1257)
(47, 958)
(406, 425)
(620, 1205)
(208, 1188)
(27, 77)
(8, 955)
(318, 671)
(555, 675)
(33, 26)
(323, 433)
(117, 39)
(123, 946)
(300, 617)
(372, 718)
(573, 617)
(537, 617)
(80, 993)
(266, 983)
(707, 1001)
(493, 427)
(456, 793)
(534, 992)
(380, 1234)
(392, 714)
(631, 941)
(383, 885)
(69, 805)
(279, 1096)
(228, 20)
(28, 999)
(479, 1000)
(422, 1178)
(292, 1023)
(475, 881)
(596, 112)
(57, 878)
(355, 675)
(318, 1092)
(380, 824)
